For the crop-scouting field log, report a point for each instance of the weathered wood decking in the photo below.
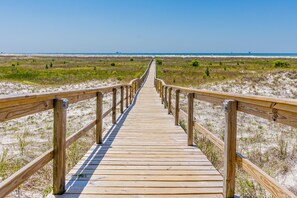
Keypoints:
(144, 155)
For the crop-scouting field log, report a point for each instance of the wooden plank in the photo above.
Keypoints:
(230, 107)
(69, 195)
(114, 106)
(165, 97)
(263, 178)
(210, 136)
(127, 96)
(177, 106)
(122, 100)
(99, 118)
(24, 173)
(72, 138)
(190, 118)
(169, 100)
(144, 191)
(59, 144)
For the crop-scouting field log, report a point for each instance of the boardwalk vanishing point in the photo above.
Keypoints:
(144, 155)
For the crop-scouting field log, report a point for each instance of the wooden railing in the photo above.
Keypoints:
(23, 105)
(277, 110)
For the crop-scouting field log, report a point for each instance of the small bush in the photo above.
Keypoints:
(95, 68)
(51, 64)
(221, 63)
(280, 63)
(195, 63)
(207, 72)
(120, 78)
(131, 59)
(18, 63)
(12, 65)
(112, 64)
(46, 66)
(159, 61)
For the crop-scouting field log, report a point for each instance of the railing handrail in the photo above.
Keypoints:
(12, 107)
(279, 110)
(275, 109)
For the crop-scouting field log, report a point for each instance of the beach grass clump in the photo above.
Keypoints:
(159, 61)
(195, 63)
(281, 64)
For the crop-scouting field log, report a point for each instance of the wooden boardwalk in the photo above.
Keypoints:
(144, 155)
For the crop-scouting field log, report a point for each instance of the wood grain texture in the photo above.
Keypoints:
(99, 118)
(114, 106)
(190, 119)
(59, 144)
(230, 108)
(176, 115)
(24, 173)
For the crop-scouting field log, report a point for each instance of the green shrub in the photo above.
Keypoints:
(131, 59)
(51, 64)
(112, 64)
(159, 61)
(46, 66)
(207, 73)
(120, 78)
(280, 63)
(195, 63)
(221, 63)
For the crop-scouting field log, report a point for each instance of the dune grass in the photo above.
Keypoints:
(197, 71)
(65, 70)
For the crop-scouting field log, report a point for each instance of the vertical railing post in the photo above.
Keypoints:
(131, 90)
(190, 118)
(230, 107)
(59, 143)
(114, 105)
(99, 118)
(177, 106)
(122, 99)
(162, 92)
(169, 100)
(160, 88)
(135, 87)
(127, 96)
(165, 97)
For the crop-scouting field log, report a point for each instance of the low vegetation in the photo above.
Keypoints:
(198, 71)
(66, 70)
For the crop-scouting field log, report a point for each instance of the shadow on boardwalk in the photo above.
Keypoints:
(92, 162)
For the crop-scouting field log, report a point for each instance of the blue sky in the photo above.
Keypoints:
(148, 26)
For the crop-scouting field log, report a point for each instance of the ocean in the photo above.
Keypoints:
(250, 54)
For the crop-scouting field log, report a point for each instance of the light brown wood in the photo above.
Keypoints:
(210, 136)
(114, 106)
(59, 145)
(176, 115)
(99, 118)
(122, 100)
(169, 100)
(165, 98)
(75, 136)
(190, 118)
(24, 173)
(127, 96)
(263, 178)
(146, 155)
(230, 107)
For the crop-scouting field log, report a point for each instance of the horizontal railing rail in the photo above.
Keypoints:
(278, 110)
(12, 107)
